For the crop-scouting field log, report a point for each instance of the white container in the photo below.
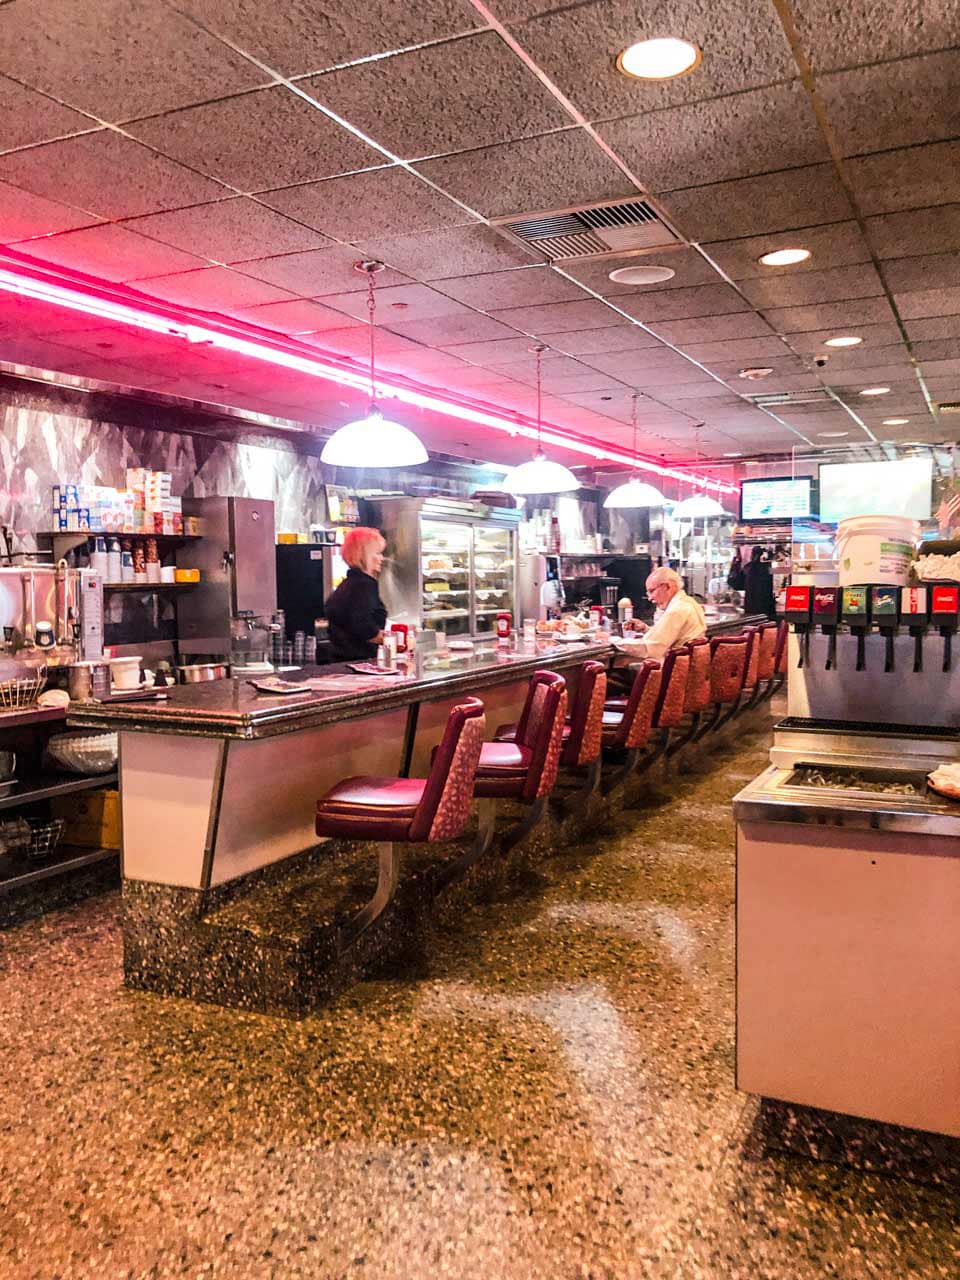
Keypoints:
(876, 549)
(125, 672)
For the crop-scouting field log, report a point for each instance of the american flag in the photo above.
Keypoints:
(949, 510)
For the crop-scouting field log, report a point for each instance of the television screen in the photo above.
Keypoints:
(781, 499)
(903, 488)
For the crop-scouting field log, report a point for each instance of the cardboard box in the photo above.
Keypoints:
(92, 818)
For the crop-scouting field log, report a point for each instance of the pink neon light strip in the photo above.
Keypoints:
(188, 330)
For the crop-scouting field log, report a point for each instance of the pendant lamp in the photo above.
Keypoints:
(540, 475)
(634, 493)
(373, 440)
(699, 506)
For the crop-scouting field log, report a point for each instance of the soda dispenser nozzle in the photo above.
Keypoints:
(885, 617)
(826, 616)
(913, 615)
(855, 612)
(945, 615)
(797, 606)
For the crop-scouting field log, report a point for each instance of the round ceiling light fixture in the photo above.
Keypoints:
(833, 435)
(733, 455)
(895, 422)
(663, 58)
(642, 275)
(784, 257)
(699, 506)
(634, 492)
(845, 341)
(540, 474)
(754, 374)
(875, 391)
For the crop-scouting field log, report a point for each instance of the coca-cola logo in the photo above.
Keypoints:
(823, 600)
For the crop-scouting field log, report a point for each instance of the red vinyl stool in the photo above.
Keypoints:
(668, 712)
(696, 697)
(627, 722)
(780, 660)
(748, 690)
(392, 811)
(767, 661)
(728, 661)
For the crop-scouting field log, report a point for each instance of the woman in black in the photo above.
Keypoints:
(758, 586)
(355, 612)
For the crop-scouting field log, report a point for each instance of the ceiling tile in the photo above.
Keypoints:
(783, 366)
(859, 31)
(256, 141)
(836, 245)
(873, 335)
(893, 104)
(898, 235)
(504, 352)
(933, 328)
(319, 271)
(228, 231)
(588, 341)
(928, 302)
(448, 331)
(355, 342)
(439, 98)
(683, 304)
(213, 289)
(27, 116)
(911, 178)
(361, 206)
(118, 59)
(743, 351)
(554, 171)
(838, 316)
(745, 324)
(107, 174)
(578, 46)
(456, 251)
(689, 267)
(836, 284)
(943, 349)
(928, 271)
(528, 286)
(629, 364)
(398, 303)
(23, 214)
(758, 206)
(722, 138)
(300, 37)
(878, 375)
(704, 389)
(111, 252)
(296, 316)
(863, 357)
(560, 317)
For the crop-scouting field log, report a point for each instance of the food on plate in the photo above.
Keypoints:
(946, 780)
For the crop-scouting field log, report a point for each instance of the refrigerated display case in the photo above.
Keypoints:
(451, 564)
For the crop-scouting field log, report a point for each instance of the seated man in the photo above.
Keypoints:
(679, 618)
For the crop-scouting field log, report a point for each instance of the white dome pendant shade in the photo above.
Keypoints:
(633, 492)
(539, 475)
(699, 506)
(373, 440)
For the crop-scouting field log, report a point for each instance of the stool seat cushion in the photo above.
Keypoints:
(508, 732)
(502, 770)
(370, 808)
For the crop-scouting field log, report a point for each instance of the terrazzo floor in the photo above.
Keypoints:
(550, 1096)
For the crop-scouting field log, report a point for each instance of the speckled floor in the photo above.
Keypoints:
(550, 1098)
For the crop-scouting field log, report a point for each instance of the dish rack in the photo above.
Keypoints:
(32, 838)
(22, 691)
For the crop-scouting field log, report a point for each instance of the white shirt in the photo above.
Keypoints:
(681, 620)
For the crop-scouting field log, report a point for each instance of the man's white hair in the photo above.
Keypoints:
(664, 574)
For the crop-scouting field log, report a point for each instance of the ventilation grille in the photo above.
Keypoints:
(585, 233)
(770, 400)
(949, 406)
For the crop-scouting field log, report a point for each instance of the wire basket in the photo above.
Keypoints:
(35, 838)
(22, 691)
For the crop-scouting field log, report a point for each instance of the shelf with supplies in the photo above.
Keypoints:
(149, 586)
(65, 540)
(435, 614)
(49, 786)
(66, 859)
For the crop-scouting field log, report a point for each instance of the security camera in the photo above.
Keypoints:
(820, 361)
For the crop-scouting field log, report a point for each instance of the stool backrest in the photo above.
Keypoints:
(696, 697)
(673, 688)
(767, 659)
(586, 718)
(540, 728)
(751, 666)
(780, 661)
(445, 807)
(727, 665)
(634, 729)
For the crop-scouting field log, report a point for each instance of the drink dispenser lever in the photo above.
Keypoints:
(913, 615)
(944, 611)
(885, 615)
(855, 612)
(797, 605)
(826, 616)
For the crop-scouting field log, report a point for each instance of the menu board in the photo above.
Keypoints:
(781, 499)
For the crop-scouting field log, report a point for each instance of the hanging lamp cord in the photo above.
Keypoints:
(372, 312)
(539, 414)
(633, 419)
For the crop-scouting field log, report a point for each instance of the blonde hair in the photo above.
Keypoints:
(359, 545)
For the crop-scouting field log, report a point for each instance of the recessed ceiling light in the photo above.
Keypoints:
(785, 257)
(895, 422)
(847, 341)
(733, 455)
(642, 275)
(911, 444)
(753, 373)
(875, 391)
(833, 435)
(662, 59)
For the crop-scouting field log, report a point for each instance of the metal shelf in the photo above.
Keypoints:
(67, 858)
(47, 786)
(436, 614)
(149, 586)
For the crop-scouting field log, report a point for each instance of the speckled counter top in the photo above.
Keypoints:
(234, 709)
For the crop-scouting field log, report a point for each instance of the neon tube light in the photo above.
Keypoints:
(121, 313)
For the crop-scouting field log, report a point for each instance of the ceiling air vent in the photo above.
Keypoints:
(949, 406)
(784, 399)
(587, 232)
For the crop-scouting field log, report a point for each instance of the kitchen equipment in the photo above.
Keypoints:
(876, 549)
(125, 672)
(82, 752)
(306, 574)
(28, 611)
(197, 672)
(88, 680)
(19, 685)
(33, 838)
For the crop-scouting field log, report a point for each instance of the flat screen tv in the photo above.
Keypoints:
(902, 488)
(780, 499)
